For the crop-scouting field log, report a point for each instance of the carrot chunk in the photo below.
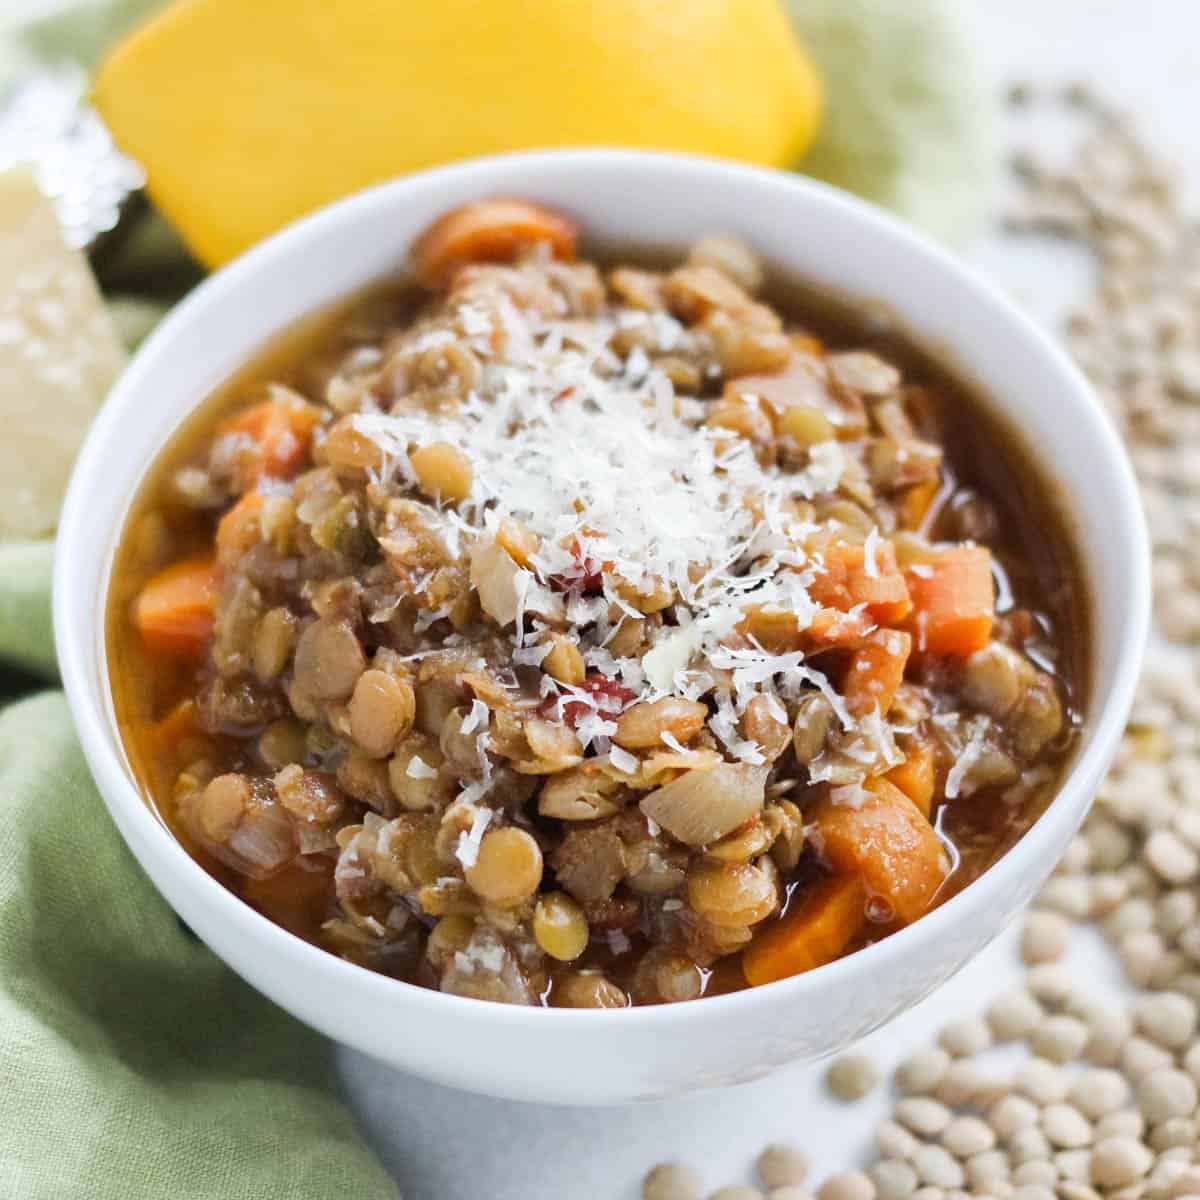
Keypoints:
(953, 601)
(917, 501)
(240, 528)
(848, 578)
(494, 230)
(875, 671)
(280, 430)
(816, 932)
(916, 776)
(830, 628)
(879, 834)
(178, 725)
(174, 611)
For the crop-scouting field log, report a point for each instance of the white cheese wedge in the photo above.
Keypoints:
(59, 354)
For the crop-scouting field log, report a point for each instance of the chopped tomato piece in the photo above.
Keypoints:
(609, 697)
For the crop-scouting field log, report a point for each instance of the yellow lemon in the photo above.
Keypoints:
(245, 116)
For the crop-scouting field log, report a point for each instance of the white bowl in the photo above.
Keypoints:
(804, 228)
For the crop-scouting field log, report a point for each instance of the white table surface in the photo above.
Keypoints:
(447, 1145)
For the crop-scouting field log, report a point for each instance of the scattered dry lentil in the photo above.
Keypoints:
(1045, 936)
(852, 1076)
(1014, 1015)
(936, 1166)
(847, 1185)
(1167, 1018)
(1166, 1093)
(922, 1071)
(894, 1179)
(1059, 1038)
(782, 1165)
(1135, 869)
(965, 1037)
(922, 1115)
(671, 1181)
(1065, 1126)
(967, 1136)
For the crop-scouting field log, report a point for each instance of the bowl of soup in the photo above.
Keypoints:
(559, 622)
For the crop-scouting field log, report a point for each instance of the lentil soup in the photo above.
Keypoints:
(548, 633)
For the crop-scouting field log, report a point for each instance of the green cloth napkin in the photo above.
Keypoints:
(136, 1066)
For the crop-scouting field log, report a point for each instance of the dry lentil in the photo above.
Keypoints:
(1167, 1018)
(1174, 1131)
(1028, 1144)
(934, 1165)
(1139, 1057)
(1166, 1093)
(894, 1179)
(1010, 1114)
(671, 1181)
(852, 1076)
(1014, 1015)
(987, 1167)
(1171, 857)
(967, 1136)
(1038, 1171)
(1110, 1029)
(1126, 1123)
(1044, 937)
(1042, 1081)
(966, 1080)
(965, 1037)
(922, 1115)
(922, 1071)
(1073, 1164)
(847, 1185)
(1099, 1092)
(894, 1141)
(782, 1165)
(1068, 895)
(1140, 953)
(1050, 982)
(1065, 1126)
(1059, 1038)
(1033, 1191)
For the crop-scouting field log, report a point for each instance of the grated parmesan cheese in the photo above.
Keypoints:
(467, 849)
(418, 768)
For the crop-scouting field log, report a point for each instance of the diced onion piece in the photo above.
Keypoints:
(495, 576)
(701, 806)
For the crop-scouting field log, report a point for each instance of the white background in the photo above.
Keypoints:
(444, 1145)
